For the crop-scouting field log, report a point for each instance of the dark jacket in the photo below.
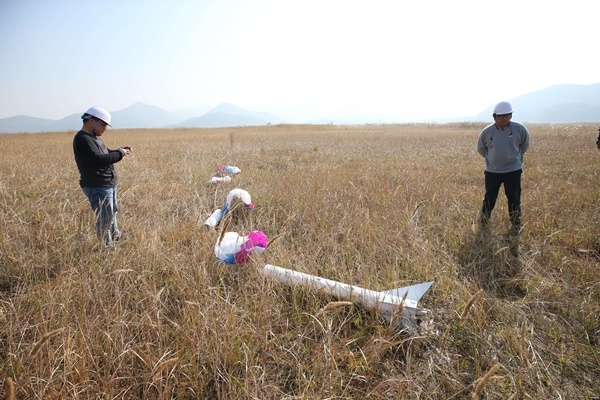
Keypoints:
(95, 161)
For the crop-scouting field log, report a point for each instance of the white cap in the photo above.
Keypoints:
(502, 108)
(98, 112)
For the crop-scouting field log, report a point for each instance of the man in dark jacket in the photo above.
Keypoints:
(98, 176)
(598, 141)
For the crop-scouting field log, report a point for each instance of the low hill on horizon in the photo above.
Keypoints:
(226, 114)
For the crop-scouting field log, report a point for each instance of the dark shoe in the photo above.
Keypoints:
(118, 236)
(483, 221)
(515, 229)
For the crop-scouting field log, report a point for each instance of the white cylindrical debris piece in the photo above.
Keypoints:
(214, 218)
(220, 179)
(385, 303)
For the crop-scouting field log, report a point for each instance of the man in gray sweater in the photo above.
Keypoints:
(503, 145)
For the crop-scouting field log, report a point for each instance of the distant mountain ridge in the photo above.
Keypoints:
(227, 114)
(556, 104)
(140, 115)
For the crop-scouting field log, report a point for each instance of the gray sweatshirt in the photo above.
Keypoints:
(503, 148)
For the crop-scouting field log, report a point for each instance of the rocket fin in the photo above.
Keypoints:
(415, 292)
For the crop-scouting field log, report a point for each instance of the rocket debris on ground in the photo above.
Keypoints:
(388, 303)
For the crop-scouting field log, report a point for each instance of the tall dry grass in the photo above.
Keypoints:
(157, 317)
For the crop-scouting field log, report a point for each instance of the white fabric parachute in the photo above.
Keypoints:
(236, 249)
(230, 169)
(232, 196)
(224, 174)
(241, 194)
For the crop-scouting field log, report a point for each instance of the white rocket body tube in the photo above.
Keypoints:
(214, 218)
(220, 179)
(388, 303)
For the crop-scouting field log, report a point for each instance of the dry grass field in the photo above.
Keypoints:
(157, 317)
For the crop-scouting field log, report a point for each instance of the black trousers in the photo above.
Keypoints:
(512, 189)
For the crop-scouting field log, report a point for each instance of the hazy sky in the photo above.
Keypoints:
(301, 60)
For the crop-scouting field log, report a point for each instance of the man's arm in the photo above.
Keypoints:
(481, 146)
(525, 143)
(93, 154)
